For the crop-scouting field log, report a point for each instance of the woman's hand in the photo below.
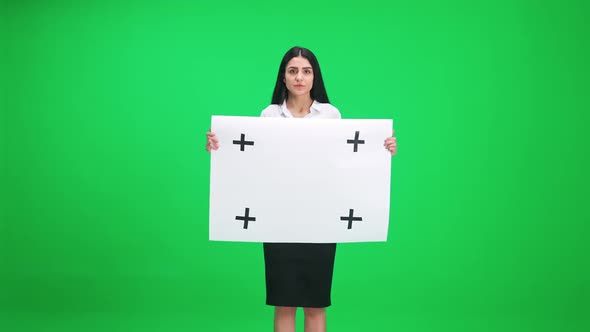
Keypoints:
(390, 144)
(212, 142)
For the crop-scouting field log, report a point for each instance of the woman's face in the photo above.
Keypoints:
(299, 76)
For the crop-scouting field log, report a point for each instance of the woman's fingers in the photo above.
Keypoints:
(392, 149)
(212, 141)
(212, 144)
(389, 141)
(391, 144)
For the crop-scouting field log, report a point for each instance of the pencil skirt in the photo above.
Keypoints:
(299, 274)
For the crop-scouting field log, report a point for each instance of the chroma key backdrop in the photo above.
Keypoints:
(104, 177)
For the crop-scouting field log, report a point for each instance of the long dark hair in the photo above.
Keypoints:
(318, 90)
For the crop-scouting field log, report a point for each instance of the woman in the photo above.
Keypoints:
(299, 274)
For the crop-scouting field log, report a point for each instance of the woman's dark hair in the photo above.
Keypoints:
(318, 90)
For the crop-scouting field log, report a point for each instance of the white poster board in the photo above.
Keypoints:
(299, 180)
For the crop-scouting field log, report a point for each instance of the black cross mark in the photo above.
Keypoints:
(243, 142)
(246, 218)
(355, 141)
(350, 218)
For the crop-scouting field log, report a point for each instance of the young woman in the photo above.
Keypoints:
(299, 274)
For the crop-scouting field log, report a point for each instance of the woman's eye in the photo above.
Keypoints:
(307, 71)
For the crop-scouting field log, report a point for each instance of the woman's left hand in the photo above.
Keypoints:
(390, 144)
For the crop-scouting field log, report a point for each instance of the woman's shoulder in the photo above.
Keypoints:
(271, 110)
(327, 109)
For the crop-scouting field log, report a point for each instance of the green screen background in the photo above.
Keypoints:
(105, 179)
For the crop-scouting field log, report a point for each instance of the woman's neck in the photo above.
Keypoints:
(299, 105)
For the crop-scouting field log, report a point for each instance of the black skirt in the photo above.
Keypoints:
(299, 274)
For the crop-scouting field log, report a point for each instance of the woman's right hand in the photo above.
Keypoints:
(212, 142)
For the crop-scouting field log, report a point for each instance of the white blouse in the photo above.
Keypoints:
(318, 111)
